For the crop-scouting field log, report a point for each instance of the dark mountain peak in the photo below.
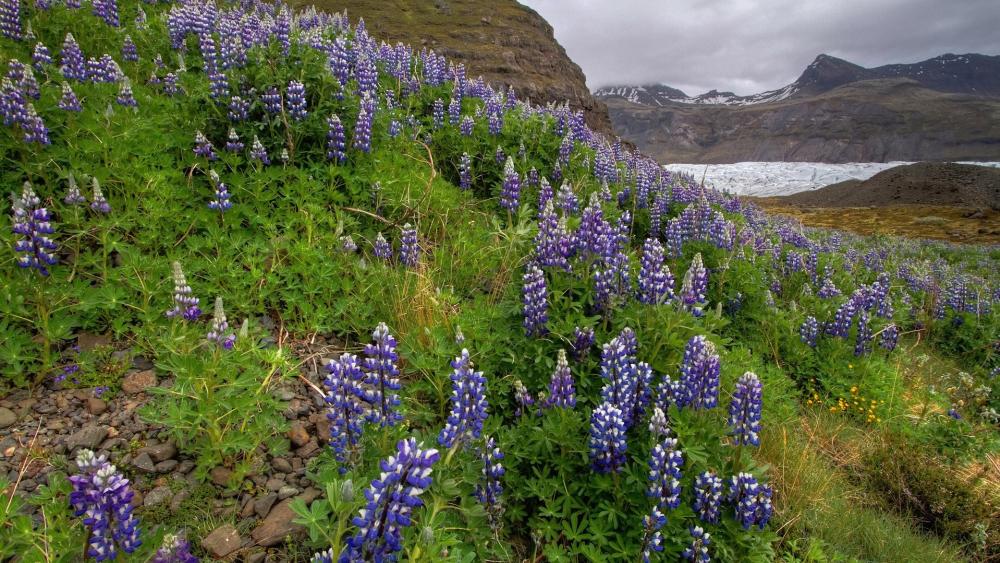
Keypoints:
(827, 72)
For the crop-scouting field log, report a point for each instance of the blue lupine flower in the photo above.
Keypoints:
(465, 172)
(239, 109)
(170, 87)
(382, 378)
(107, 10)
(550, 247)
(708, 497)
(468, 403)
(510, 193)
(282, 30)
(607, 438)
(69, 101)
(562, 391)
(409, 248)
(391, 500)
(565, 149)
(129, 52)
(296, 98)
(258, 152)
(103, 497)
(203, 147)
(395, 128)
(619, 370)
(271, 99)
(10, 19)
(233, 142)
(744, 410)
(525, 402)
(72, 64)
(34, 225)
(40, 56)
(535, 301)
(345, 408)
(695, 286)
(751, 500)
(336, 145)
(665, 474)
(467, 125)
(659, 426)
(347, 244)
(125, 97)
(699, 384)
(652, 537)
(99, 203)
(489, 489)
(438, 113)
(698, 550)
(583, 340)
(455, 107)
(363, 127)
(499, 156)
(220, 333)
(220, 199)
(382, 248)
(185, 303)
(494, 114)
(809, 331)
(864, 337)
(73, 195)
(174, 549)
(656, 283)
(889, 338)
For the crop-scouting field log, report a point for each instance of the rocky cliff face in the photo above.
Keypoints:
(946, 108)
(502, 40)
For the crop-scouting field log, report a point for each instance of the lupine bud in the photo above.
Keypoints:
(220, 333)
(69, 101)
(409, 249)
(125, 97)
(525, 402)
(233, 143)
(607, 439)
(468, 403)
(129, 52)
(535, 302)
(99, 203)
(658, 424)
(744, 411)
(73, 195)
(381, 378)
(465, 172)
(347, 244)
(203, 147)
(185, 303)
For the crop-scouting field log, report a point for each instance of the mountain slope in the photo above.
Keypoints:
(504, 41)
(945, 108)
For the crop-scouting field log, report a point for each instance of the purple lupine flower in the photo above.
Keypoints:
(107, 10)
(699, 382)
(438, 113)
(494, 114)
(283, 29)
(345, 409)
(239, 109)
(565, 149)
(381, 379)
(455, 108)
(258, 152)
(382, 248)
(619, 370)
(499, 156)
(69, 101)
(129, 51)
(125, 97)
(607, 439)
(744, 410)
(549, 242)
(140, 23)
(828, 289)
(467, 125)
(363, 127)
(220, 198)
(335, 142)
(535, 301)
(583, 340)
(295, 95)
(233, 142)
(562, 391)
(391, 500)
(510, 194)
(174, 549)
(34, 128)
(545, 192)
(489, 489)
(658, 424)
(395, 128)
(468, 403)
(708, 497)
(203, 147)
(10, 19)
(71, 60)
(665, 474)
(698, 550)
(409, 249)
(695, 286)
(525, 402)
(73, 195)
(170, 87)
(272, 100)
(33, 224)
(751, 500)
(652, 537)
(220, 333)
(185, 303)
(219, 84)
(863, 342)
(889, 338)
(347, 244)
(465, 172)
(809, 331)
(656, 284)
(953, 413)
(99, 203)
(40, 56)
(103, 496)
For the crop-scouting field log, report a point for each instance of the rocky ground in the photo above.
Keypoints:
(41, 431)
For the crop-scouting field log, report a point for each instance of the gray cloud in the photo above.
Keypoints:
(748, 46)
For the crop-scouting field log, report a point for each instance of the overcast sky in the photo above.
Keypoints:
(749, 46)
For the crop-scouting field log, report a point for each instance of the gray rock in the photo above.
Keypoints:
(220, 475)
(281, 465)
(139, 381)
(96, 406)
(256, 557)
(223, 541)
(159, 495)
(166, 466)
(144, 462)
(287, 491)
(88, 341)
(274, 484)
(87, 437)
(263, 505)
(7, 417)
(141, 363)
(277, 526)
(179, 498)
(186, 466)
(160, 452)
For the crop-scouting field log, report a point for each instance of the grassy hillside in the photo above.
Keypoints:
(309, 295)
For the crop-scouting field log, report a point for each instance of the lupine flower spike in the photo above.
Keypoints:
(744, 411)
(73, 195)
(409, 250)
(698, 550)
(220, 199)
(382, 248)
(174, 549)
(220, 333)
(345, 409)
(382, 378)
(468, 403)
(104, 498)
(751, 500)
(665, 474)
(535, 301)
(695, 286)
(562, 392)
(33, 224)
(99, 203)
(708, 497)
(185, 303)
(607, 439)
(489, 489)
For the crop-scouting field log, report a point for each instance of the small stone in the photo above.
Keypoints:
(263, 505)
(298, 434)
(144, 462)
(185, 467)
(96, 406)
(281, 465)
(160, 452)
(308, 449)
(179, 498)
(7, 417)
(159, 495)
(277, 526)
(223, 541)
(166, 466)
(287, 491)
(87, 437)
(141, 363)
(27, 485)
(88, 341)
(274, 484)
(139, 381)
(257, 557)
(221, 475)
